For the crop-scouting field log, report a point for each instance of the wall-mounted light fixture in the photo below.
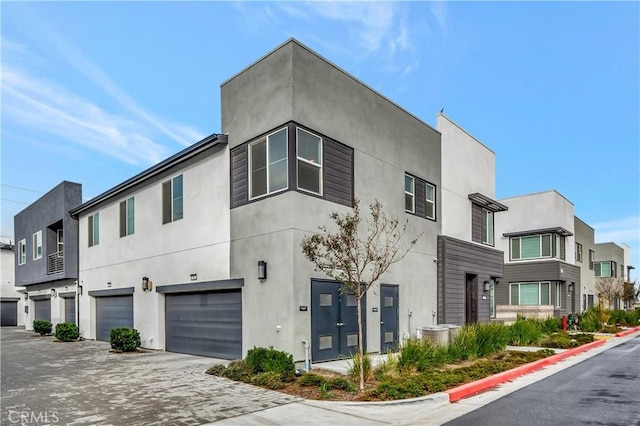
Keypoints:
(487, 286)
(79, 289)
(147, 285)
(262, 270)
(194, 277)
(54, 293)
(109, 284)
(496, 282)
(570, 288)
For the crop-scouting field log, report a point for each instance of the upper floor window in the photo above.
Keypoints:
(530, 293)
(487, 227)
(59, 240)
(172, 200)
(606, 269)
(37, 245)
(94, 229)
(592, 257)
(431, 201)
(309, 151)
(622, 271)
(537, 247)
(578, 252)
(127, 217)
(409, 194)
(268, 164)
(22, 252)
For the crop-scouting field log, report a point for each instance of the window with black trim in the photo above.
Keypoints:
(94, 229)
(268, 163)
(172, 200)
(430, 197)
(22, 252)
(127, 217)
(578, 252)
(37, 245)
(592, 257)
(409, 194)
(419, 197)
(537, 247)
(309, 152)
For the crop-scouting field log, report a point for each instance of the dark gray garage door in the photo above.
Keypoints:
(43, 309)
(207, 324)
(8, 313)
(70, 309)
(113, 312)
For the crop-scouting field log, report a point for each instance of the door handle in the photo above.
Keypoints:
(382, 322)
(339, 324)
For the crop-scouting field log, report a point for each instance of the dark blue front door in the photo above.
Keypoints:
(388, 318)
(334, 321)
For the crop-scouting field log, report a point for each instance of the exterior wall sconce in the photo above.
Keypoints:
(147, 285)
(570, 287)
(54, 293)
(193, 277)
(262, 270)
(79, 289)
(486, 286)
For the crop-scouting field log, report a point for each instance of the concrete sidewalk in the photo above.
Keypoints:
(433, 409)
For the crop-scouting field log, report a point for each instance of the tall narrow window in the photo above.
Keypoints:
(309, 161)
(487, 227)
(578, 252)
(268, 164)
(409, 194)
(172, 200)
(431, 201)
(127, 217)
(94, 229)
(559, 294)
(22, 252)
(59, 241)
(37, 245)
(492, 298)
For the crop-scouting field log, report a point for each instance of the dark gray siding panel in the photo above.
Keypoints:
(42, 309)
(456, 258)
(239, 176)
(338, 173)
(207, 324)
(8, 313)
(113, 312)
(476, 223)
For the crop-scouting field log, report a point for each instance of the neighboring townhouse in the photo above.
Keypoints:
(585, 249)
(154, 248)
(46, 261)
(11, 297)
(612, 261)
(540, 275)
(469, 265)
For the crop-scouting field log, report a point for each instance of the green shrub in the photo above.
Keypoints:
(124, 339)
(617, 316)
(239, 371)
(216, 370)
(388, 367)
(354, 366)
(584, 338)
(631, 317)
(525, 332)
(42, 327)
(491, 338)
(550, 325)
(559, 340)
(262, 360)
(66, 331)
(268, 379)
(610, 329)
(401, 387)
(590, 320)
(310, 379)
(464, 346)
(342, 384)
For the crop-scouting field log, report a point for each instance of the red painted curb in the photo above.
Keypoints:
(627, 332)
(478, 386)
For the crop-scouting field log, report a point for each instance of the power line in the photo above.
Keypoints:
(22, 189)
(14, 201)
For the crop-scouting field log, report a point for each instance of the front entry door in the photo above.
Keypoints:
(334, 321)
(389, 329)
(471, 299)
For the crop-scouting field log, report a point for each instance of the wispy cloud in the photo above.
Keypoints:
(625, 230)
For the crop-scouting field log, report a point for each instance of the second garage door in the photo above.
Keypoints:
(8, 313)
(42, 309)
(207, 324)
(113, 312)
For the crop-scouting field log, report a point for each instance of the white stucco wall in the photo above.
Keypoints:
(536, 211)
(8, 288)
(166, 254)
(468, 167)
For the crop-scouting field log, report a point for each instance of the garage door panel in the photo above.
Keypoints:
(70, 310)
(42, 309)
(208, 324)
(113, 312)
(9, 313)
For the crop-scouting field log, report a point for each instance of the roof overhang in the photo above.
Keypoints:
(487, 203)
(559, 230)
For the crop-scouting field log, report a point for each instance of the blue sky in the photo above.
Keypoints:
(97, 92)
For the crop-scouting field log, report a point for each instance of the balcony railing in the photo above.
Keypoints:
(55, 263)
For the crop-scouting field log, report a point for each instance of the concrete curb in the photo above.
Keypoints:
(627, 332)
(473, 388)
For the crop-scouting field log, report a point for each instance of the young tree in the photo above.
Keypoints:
(630, 293)
(610, 288)
(357, 257)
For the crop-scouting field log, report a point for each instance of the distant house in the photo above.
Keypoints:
(612, 261)
(11, 297)
(46, 261)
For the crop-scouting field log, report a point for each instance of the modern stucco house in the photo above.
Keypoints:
(585, 249)
(46, 255)
(612, 261)
(12, 298)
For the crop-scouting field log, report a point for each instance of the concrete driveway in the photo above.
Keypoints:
(82, 383)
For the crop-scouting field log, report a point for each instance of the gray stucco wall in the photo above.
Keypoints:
(585, 235)
(48, 210)
(456, 259)
(293, 83)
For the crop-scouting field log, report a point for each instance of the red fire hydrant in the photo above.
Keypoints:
(564, 323)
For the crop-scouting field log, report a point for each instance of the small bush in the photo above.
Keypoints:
(559, 340)
(268, 379)
(239, 371)
(491, 338)
(42, 327)
(401, 387)
(216, 370)
(310, 379)
(525, 332)
(66, 331)
(261, 360)
(354, 366)
(584, 338)
(124, 339)
(464, 345)
(550, 325)
(610, 329)
(388, 367)
(590, 320)
(342, 384)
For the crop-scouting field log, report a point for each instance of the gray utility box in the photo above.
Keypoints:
(437, 334)
(453, 330)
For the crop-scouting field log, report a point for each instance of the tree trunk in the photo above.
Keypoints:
(360, 339)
